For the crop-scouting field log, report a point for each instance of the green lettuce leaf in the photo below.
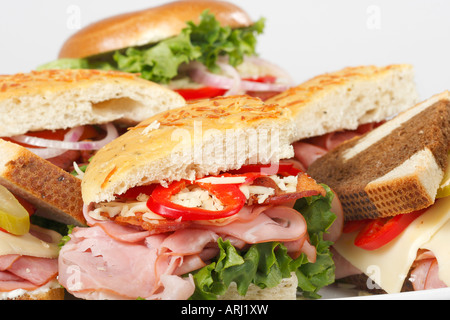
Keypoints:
(160, 62)
(266, 264)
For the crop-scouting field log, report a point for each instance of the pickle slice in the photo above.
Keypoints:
(444, 188)
(13, 216)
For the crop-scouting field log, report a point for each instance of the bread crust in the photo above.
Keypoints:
(51, 294)
(56, 193)
(148, 26)
(349, 97)
(204, 137)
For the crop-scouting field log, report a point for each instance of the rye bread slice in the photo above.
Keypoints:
(394, 169)
(54, 192)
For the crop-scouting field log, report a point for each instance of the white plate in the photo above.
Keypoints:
(334, 292)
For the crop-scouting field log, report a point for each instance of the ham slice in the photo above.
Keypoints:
(100, 265)
(308, 150)
(24, 272)
(36, 270)
(93, 261)
(274, 224)
(425, 274)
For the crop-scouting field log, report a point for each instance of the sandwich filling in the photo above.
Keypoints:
(200, 236)
(28, 259)
(68, 149)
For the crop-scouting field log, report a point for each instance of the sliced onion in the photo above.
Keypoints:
(236, 87)
(282, 75)
(72, 135)
(234, 84)
(47, 153)
(199, 73)
(53, 148)
(111, 134)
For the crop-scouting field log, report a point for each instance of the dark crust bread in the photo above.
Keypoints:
(363, 283)
(52, 190)
(52, 294)
(350, 178)
(148, 26)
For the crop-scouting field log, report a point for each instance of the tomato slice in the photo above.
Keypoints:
(379, 232)
(263, 79)
(355, 225)
(229, 195)
(133, 193)
(282, 168)
(201, 93)
(211, 92)
(89, 132)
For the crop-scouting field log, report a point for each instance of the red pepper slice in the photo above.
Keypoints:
(229, 195)
(379, 232)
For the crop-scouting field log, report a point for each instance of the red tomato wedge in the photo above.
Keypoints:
(230, 196)
(378, 232)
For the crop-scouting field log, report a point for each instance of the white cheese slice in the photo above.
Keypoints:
(438, 244)
(389, 265)
(222, 180)
(29, 245)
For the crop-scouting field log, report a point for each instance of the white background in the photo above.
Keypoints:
(305, 37)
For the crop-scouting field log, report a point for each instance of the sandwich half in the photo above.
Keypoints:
(37, 201)
(201, 202)
(64, 116)
(393, 186)
(333, 107)
(199, 48)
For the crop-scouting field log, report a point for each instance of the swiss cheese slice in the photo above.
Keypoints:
(29, 245)
(439, 245)
(389, 265)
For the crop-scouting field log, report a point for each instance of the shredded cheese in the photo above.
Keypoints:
(222, 180)
(287, 184)
(193, 197)
(152, 126)
(197, 198)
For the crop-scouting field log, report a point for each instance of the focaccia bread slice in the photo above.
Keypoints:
(347, 98)
(60, 99)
